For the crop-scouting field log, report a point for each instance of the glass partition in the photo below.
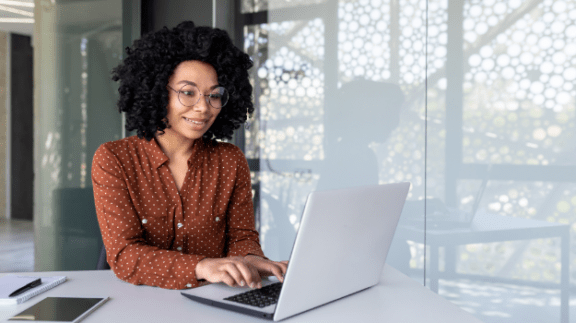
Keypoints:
(76, 44)
(501, 117)
(473, 102)
(340, 90)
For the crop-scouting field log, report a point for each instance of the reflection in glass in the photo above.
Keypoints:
(504, 116)
(304, 131)
(486, 132)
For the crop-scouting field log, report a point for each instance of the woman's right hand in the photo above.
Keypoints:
(233, 271)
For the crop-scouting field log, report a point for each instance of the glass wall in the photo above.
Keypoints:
(505, 111)
(473, 102)
(332, 112)
(336, 108)
(76, 45)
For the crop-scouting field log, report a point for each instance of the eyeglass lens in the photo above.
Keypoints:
(189, 95)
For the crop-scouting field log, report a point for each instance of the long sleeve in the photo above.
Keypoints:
(242, 237)
(129, 236)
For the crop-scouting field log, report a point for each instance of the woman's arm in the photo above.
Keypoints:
(241, 235)
(128, 254)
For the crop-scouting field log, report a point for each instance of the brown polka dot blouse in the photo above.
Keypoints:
(155, 235)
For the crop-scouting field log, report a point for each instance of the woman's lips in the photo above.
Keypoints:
(196, 122)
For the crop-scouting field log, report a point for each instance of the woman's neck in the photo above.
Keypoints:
(173, 146)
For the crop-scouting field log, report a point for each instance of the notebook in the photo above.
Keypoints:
(340, 248)
(12, 283)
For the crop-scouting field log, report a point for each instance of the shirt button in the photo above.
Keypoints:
(189, 285)
(144, 221)
(180, 225)
(179, 248)
(217, 219)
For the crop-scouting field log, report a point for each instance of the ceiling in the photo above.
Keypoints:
(17, 16)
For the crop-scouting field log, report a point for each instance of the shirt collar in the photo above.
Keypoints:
(199, 151)
(157, 156)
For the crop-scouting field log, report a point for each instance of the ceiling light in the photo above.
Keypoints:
(18, 3)
(17, 11)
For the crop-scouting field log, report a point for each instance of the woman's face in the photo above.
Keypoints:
(191, 122)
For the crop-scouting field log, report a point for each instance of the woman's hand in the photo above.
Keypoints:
(239, 271)
(268, 267)
(233, 271)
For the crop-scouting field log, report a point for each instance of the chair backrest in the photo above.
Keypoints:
(77, 228)
(102, 263)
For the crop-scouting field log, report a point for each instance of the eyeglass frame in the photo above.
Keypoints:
(207, 97)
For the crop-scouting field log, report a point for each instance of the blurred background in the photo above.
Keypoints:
(472, 101)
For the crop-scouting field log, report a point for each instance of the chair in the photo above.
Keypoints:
(102, 263)
(77, 232)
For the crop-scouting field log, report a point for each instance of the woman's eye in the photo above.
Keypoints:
(188, 93)
(215, 96)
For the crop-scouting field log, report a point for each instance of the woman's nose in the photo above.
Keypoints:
(202, 104)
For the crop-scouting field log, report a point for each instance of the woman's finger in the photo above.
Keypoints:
(283, 266)
(276, 271)
(255, 273)
(249, 273)
(226, 279)
(232, 270)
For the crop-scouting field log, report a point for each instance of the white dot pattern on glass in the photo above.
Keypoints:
(140, 210)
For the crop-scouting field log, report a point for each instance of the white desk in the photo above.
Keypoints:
(397, 298)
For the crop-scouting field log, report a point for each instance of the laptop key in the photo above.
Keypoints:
(262, 297)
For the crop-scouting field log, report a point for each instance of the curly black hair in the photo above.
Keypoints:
(149, 63)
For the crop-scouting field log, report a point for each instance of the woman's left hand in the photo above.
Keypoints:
(267, 267)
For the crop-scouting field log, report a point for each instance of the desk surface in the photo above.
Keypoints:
(397, 298)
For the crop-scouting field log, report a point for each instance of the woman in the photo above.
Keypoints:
(174, 205)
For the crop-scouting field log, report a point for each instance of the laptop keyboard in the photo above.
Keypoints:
(262, 297)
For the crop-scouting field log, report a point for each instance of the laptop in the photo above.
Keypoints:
(441, 217)
(340, 249)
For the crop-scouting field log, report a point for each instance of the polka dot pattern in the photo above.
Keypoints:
(155, 235)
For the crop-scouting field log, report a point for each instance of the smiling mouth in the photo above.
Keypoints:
(195, 122)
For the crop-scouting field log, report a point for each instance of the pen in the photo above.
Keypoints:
(26, 287)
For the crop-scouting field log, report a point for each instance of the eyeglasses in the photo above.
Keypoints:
(189, 95)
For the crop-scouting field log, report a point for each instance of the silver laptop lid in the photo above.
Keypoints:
(341, 245)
